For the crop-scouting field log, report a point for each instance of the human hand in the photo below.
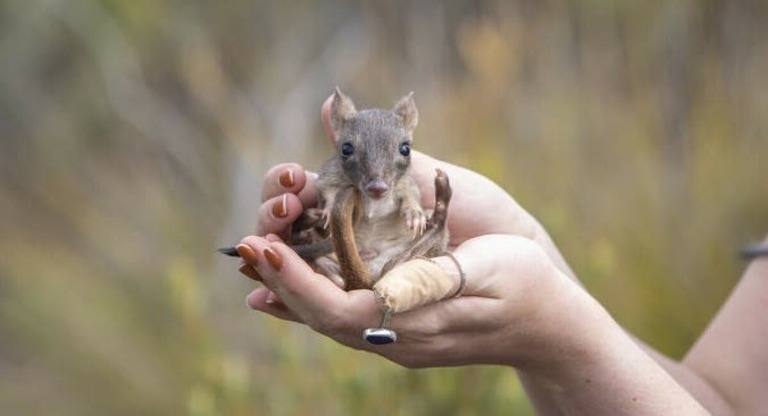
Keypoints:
(490, 231)
(522, 306)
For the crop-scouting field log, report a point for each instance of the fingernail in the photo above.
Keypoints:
(248, 254)
(249, 271)
(273, 258)
(280, 208)
(271, 298)
(286, 179)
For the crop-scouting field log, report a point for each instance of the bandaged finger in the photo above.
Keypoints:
(414, 283)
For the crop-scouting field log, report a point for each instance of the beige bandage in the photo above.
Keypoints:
(415, 283)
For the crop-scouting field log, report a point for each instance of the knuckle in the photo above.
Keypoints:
(431, 330)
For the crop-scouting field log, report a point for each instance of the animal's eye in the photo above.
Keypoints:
(347, 149)
(405, 149)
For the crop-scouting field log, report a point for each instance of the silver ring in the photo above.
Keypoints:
(462, 275)
(381, 335)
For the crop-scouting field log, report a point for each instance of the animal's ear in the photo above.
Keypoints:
(342, 110)
(406, 109)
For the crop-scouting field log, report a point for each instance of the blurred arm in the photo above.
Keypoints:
(727, 368)
(691, 377)
(732, 354)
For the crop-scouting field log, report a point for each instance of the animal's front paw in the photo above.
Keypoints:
(309, 219)
(309, 227)
(415, 220)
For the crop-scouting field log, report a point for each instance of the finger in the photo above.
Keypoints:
(308, 194)
(319, 302)
(282, 178)
(290, 178)
(260, 300)
(286, 274)
(277, 214)
(311, 296)
(249, 272)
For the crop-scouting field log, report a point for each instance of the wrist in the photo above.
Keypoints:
(572, 332)
(590, 365)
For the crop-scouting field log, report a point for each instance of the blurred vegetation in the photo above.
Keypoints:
(134, 135)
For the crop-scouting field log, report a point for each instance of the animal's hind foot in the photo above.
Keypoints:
(443, 193)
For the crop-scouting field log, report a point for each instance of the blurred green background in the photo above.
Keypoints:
(134, 134)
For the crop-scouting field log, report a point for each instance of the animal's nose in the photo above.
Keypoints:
(376, 188)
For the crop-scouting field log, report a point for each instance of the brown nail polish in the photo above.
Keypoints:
(286, 179)
(248, 254)
(273, 258)
(250, 272)
(280, 208)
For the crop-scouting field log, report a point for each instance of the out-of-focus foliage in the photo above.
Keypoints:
(134, 134)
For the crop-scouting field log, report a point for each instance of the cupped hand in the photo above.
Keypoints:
(522, 305)
(510, 264)
(512, 312)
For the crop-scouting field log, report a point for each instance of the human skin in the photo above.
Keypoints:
(732, 354)
(522, 306)
(518, 309)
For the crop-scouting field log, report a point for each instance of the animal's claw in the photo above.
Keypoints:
(325, 218)
(416, 221)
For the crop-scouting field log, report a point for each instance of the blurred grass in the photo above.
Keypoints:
(134, 135)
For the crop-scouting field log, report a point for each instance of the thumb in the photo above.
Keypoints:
(501, 265)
